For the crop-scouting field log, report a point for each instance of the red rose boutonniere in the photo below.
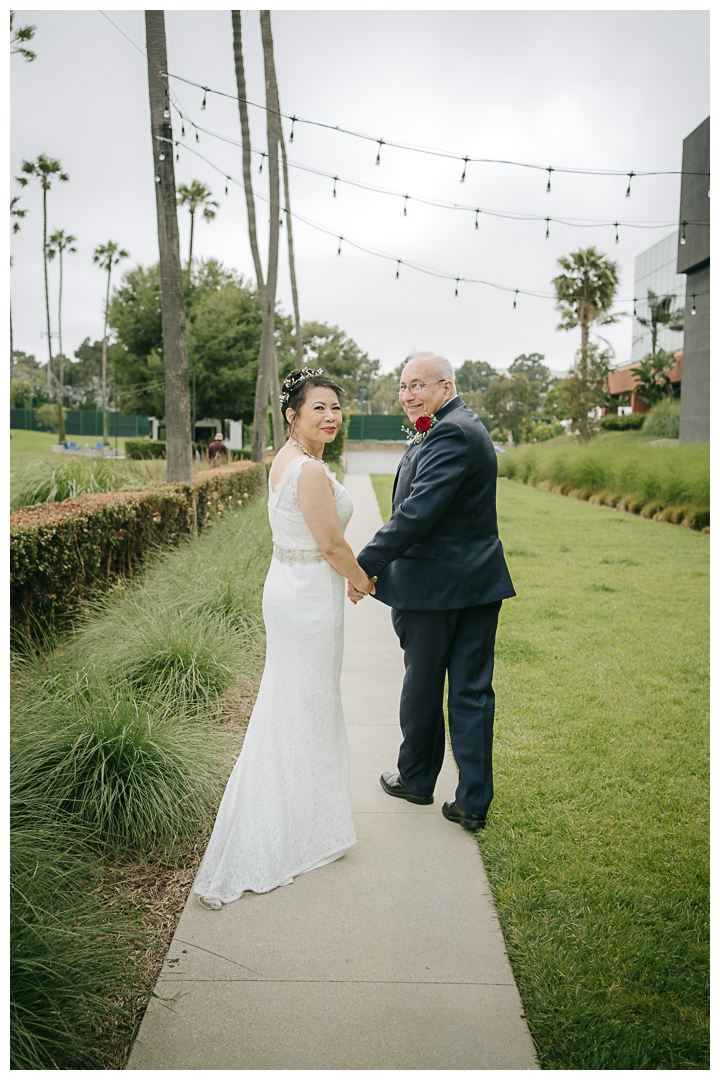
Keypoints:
(423, 424)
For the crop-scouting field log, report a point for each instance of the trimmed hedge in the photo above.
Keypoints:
(62, 553)
(612, 422)
(140, 449)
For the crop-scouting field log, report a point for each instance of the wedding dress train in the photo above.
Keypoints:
(286, 807)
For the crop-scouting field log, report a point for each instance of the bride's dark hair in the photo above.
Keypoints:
(296, 385)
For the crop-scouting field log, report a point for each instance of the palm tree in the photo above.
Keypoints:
(174, 327)
(15, 212)
(585, 294)
(57, 244)
(19, 37)
(193, 196)
(44, 169)
(273, 381)
(662, 316)
(107, 256)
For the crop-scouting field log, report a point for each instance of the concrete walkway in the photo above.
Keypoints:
(390, 958)
(364, 462)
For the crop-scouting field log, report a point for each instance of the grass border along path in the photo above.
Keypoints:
(597, 840)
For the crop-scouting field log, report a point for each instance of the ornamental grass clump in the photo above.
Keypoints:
(628, 468)
(68, 951)
(51, 481)
(137, 770)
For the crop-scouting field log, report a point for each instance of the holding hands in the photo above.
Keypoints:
(355, 594)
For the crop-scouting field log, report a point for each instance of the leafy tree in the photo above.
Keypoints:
(510, 401)
(26, 380)
(584, 389)
(532, 367)
(382, 395)
(57, 244)
(194, 195)
(662, 316)
(474, 375)
(43, 170)
(107, 256)
(83, 376)
(585, 294)
(554, 403)
(338, 355)
(19, 36)
(652, 377)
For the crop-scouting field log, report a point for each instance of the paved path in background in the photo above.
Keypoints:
(389, 958)
(364, 462)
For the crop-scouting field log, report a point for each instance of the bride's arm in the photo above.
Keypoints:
(318, 508)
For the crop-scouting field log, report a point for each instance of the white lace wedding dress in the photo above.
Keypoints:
(286, 807)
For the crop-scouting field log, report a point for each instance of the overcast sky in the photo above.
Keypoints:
(595, 90)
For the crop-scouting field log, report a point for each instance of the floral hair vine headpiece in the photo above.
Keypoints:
(295, 378)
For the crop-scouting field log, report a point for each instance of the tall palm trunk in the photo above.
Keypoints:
(192, 230)
(60, 346)
(273, 382)
(104, 358)
(267, 339)
(177, 395)
(51, 373)
(291, 255)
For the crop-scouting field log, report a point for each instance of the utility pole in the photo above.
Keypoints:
(177, 398)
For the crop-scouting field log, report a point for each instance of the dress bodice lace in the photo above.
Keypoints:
(289, 528)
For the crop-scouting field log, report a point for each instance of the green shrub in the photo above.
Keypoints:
(68, 951)
(663, 420)
(61, 553)
(47, 416)
(144, 448)
(631, 422)
(334, 450)
(136, 769)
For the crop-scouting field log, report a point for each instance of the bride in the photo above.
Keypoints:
(286, 807)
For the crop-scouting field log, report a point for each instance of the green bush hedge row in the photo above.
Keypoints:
(631, 422)
(61, 553)
(141, 449)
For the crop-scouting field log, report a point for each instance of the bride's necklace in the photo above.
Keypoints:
(306, 452)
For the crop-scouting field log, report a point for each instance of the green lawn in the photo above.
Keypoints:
(31, 444)
(597, 842)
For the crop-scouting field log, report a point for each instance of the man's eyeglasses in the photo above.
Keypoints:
(415, 387)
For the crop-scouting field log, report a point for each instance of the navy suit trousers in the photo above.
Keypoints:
(460, 642)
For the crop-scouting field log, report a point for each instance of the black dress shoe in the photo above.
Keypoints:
(391, 783)
(452, 812)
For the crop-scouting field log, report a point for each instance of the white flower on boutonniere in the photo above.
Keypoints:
(423, 424)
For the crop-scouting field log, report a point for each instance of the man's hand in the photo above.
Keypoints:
(354, 594)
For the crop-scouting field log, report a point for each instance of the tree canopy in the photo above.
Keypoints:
(340, 357)
(531, 366)
(474, 375)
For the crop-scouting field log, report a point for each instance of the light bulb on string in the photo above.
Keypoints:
(381, 143)
(550, 171)
(457, 281)
(634, 308)
(334, 187)
(197, 137)
(683, 239)
(515, 299)
(162, 155)
(204, 100)
(547, 228)
(177, 155)
(406, 197)
(397, 272)
(340, 240)
(182, 129)
(166, 109)
(630, 176)
(292, 128)
(617, 235)
(693, 309)
(465, 162)
(476, 219)
(262, 159)
(226, 185)
(157, 178)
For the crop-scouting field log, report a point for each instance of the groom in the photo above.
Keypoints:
(440, 567)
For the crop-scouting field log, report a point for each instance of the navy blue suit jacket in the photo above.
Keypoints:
(440, 550)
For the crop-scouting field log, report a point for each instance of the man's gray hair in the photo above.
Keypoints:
(443, 367)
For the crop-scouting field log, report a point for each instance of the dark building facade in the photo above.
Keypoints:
(694, 261)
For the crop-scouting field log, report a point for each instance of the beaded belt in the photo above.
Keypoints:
(297, 555)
